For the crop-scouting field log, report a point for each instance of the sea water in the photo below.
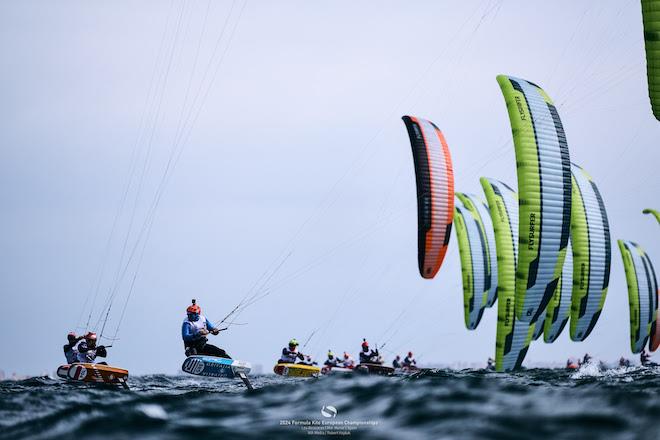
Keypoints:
(589, 403)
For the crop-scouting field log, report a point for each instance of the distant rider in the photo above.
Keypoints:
(194, 330)
(396, 363)
(348, 361)
(623, 362)
(586, 359)
(644, 358)
(369, 356)
(409, 361)
(490, 365)
(290, 354)
(307, 360)
(70, 350)
(88, 351)
(332, 361)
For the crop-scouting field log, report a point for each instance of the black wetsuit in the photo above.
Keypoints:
(200, 346)
(369, 358)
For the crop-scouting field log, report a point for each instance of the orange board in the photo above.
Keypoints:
(94, 373)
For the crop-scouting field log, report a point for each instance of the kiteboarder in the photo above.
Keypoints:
(332, 361)
(585, 360)
(396, 363)
(70, 350)
(623, 362)
(644, 358)
(490, 364)
(409, 361)
(348, 361)
(194, 330)
(88, 351)
(307, 360)
(369, 356)
(290, 354)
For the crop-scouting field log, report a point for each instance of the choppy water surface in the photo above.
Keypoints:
(540, 403)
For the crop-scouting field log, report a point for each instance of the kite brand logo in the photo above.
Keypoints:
(532, 231)
(500, 209)
(418, 134)
(193, 366)
(521, 109)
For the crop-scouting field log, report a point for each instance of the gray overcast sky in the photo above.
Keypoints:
(292, 142)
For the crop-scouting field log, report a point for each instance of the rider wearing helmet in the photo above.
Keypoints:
(332, 361)
(348, 361)
(70, 350)
(290, 353)
(194, 330)
(369, 356)
(88, 351)
(409, 361)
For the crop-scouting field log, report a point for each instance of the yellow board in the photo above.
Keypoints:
(297, 370)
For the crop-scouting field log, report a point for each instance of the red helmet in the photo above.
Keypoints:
(194, 308)
(365, 343)
(410, 354)
(90, 336)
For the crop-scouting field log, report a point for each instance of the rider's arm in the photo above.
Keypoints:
(209, 325)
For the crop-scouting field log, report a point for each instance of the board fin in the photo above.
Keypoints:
(123, 383)
(245, 380)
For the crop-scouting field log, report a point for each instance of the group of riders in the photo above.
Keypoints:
(196, 327)
(194, 331)
(83, 349)
(644, 360)
(291, 355)
(572, 364)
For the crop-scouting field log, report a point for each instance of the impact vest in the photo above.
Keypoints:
(365, 356)
(199, 324)
(288, 356)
